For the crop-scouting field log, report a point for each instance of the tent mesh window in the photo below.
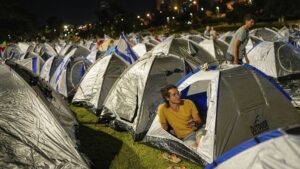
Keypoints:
(288, 58)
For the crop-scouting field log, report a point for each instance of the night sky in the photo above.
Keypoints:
(80, 11)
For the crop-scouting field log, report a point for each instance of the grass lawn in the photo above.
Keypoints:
(107, 148)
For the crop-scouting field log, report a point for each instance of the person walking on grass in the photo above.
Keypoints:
(237, 47)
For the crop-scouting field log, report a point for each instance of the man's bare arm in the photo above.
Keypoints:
(236, 51)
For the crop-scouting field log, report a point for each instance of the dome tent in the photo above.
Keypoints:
(13, 52)
(237, 103)
(32, 62)
(266, 34)
(30, 136)
(216, 48)
(275, 150)
(276, 59)
(69, 72)
(55, 103)
(141, 48)
(99, 79)
(134, 97)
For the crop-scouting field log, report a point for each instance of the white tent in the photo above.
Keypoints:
(236, 103)
(276, 149)
(266, 34)
(141, 48)
(97, 82)
(276, 59)
(215, 48)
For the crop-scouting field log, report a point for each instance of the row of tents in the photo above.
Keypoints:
(121, 84)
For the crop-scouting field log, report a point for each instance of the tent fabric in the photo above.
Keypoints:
(69, 72)
(129, 99)
(49, 97)
(47, 51)
(276, 59)
(32, 62)
(13, 52)
(142, 48)
(100, 78)
(216, 48)
(96, 84)
(275, 149)
(226, 37)
(30, 136)
(256, 106)
(195, 38)
(266, 34)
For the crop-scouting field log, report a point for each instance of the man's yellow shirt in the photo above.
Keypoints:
(178, 120)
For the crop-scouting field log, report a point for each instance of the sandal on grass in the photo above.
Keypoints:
(171, 158)
(173, 167)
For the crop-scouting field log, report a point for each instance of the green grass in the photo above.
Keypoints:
(107, 148)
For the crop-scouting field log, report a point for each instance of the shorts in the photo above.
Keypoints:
(190, 139)
(229, 58)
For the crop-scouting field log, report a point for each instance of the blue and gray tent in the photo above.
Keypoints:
(67, 75)
(276, 149)
(15, 51)
(236, 103)
(32, 62)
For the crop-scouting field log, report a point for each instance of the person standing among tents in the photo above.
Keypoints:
(212, 33)
(237, 47)
(181, 115)
(207, 32)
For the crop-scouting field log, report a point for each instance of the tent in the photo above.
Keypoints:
(135, 95)
(216, 48)
(236, 103)
(14, 52)
(253, 41)
(49, 67)
(266, 34)
(226, 37)
(195, 38)
(276, 149)
(44, 91)
(32, 62)
(69, 72)
(30, 135)
(141, 48)
(150, 39)
(97, 82)
(47, 51)
(276, 59)
(94, 55)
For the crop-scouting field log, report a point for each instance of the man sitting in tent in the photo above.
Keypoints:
(181, 115)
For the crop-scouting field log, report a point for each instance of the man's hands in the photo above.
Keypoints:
(191, 123)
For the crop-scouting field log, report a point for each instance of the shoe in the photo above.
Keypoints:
(173, 158)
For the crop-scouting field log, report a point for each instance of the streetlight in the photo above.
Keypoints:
(138, 17)
(175, 8)
(148, 14)
(218, 10)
